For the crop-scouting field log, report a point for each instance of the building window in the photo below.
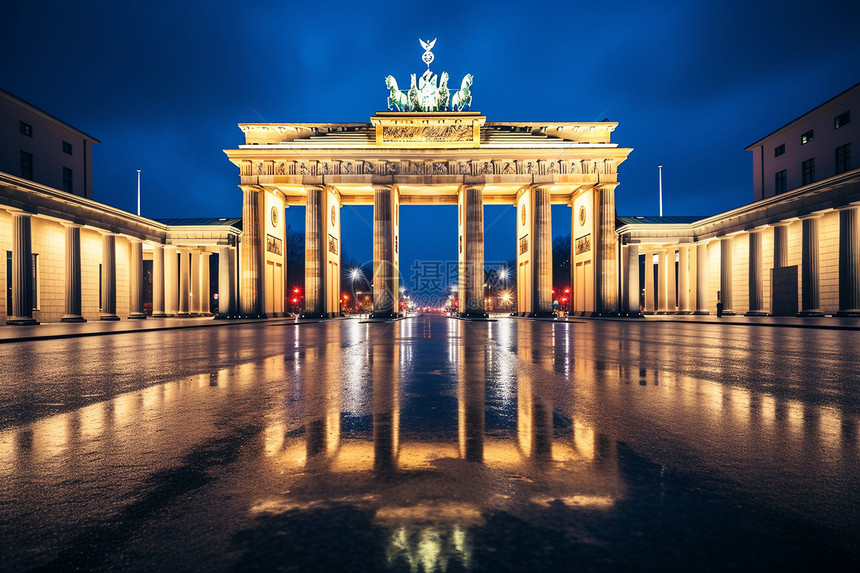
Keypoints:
(67, 148)
(26, 165)
(779, 183)
(807, 137)
(67, 180)
(808, 171)
(778, 150)
(841, 120)
(843, 158)
(25, 128)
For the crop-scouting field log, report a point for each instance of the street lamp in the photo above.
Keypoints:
(354, 275)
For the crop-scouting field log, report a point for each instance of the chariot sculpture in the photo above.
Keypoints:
(429, 92)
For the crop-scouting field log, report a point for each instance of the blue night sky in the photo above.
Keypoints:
(163, 85)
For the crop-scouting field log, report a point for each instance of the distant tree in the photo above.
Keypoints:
(295, 266)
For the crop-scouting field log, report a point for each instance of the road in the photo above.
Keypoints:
(433, 444)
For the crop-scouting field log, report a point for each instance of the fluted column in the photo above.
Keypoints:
(541, 253)
(662, 283)
(810, 298)
(252, 270)
(204, 284)
(633, 280)
(158, 281)
(649, 282)
(726, 265)
(684, 280)
(780, 246)
(108, 277)
(702, 279)
(226, 284)
(386, 297)
(756, 284)
(184, 283)
(671, 293)
(195, 283)
(849, 262)
(171, 281)
(22, 272)
(135, 281)
(315, 253)
(72, 311)
(472, 269)
(606, 259)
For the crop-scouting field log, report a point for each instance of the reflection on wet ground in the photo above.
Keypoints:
(440, 445)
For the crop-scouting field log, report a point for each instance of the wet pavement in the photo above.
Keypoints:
(432, 444)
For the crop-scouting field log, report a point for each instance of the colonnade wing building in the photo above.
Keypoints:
(795, 251)
(429, 158)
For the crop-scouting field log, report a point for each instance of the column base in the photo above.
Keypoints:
(596, 314)
(849, 313)
(161, 315)
(226, 316)
(812, 313)
(184, 314)
(729, 313)
(755, 313)
(701, 312)
(109, 317)
(73, 318)
(477, 314)
(633, 315)
(649, 312)
(137, 316)
(253, 315)
(21, 321)
(685, 312)
(666, 312)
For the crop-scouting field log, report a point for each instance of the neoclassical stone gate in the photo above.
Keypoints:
(429, 158)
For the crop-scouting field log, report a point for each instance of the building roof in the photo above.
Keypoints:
(813, 110)
(46, 115)
(203, 222)
(669, 220)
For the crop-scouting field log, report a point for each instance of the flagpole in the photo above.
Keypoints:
(660, 172)
(138, 192)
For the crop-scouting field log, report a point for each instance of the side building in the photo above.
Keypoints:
(794, 251)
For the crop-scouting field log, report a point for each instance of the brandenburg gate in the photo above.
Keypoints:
(428, 149)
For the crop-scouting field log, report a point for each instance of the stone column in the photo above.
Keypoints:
(472, 297)
(684, 280)
(203, 298)
(315, 253)
(756, 283)
(541, 252)
(108, 278)
(226, 288)
(649, 282)
(702, 279)
(171, 281)
(135, 281)
(252, 270)
(780, 246)
(726, 275)
(810, 303)
(73, 275)
(195, 286)
(605, 258)
(662, 283)
(671, 293)
(22, 272)
(158, 282)
(386, 297)
(633, 280)
(849, 262)
(184, 283)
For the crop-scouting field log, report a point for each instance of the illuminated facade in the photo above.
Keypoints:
(457, 158)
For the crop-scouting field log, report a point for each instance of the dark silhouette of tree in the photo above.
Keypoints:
(561, 263)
